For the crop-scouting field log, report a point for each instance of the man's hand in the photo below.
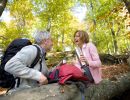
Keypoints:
(43, 80)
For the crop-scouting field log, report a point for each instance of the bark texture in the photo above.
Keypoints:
(2, 6)
(127, 4)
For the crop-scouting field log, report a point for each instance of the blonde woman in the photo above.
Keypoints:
(89, 55)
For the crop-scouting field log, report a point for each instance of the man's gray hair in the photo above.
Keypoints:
(41, 35)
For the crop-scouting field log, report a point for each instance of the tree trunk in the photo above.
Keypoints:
(128, 61)
(103, 91)
(2, 6)
(127, 4)
(49, 25)
(114, 41)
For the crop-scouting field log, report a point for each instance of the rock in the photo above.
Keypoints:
(103, 91)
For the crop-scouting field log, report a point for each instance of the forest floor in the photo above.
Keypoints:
(111, 71)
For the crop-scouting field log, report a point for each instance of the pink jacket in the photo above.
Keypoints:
(90, 52)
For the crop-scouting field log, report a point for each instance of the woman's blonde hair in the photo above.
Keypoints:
(83, 36)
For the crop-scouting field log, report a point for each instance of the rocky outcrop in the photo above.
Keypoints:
(103, 91)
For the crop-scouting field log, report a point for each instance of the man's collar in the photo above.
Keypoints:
(44, 53)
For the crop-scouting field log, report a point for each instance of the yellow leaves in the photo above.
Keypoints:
(128, 34)
(92, 26)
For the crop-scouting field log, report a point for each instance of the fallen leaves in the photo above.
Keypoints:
(110, 71)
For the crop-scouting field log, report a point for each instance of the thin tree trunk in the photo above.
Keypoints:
(2, 6)
(49, 25)
(114, 41)
(94, 21)
(127, 4)
(63, 35)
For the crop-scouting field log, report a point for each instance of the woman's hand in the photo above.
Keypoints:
(83, 59)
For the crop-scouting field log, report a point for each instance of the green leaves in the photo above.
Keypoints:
(103, 16)
(56, 16)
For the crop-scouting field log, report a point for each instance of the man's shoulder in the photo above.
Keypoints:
(28, 50)
(30, 47)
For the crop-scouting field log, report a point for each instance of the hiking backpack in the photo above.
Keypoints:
(7, 80)
(69, 74)
(66, 72)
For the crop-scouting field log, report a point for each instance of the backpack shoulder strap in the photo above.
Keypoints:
(37, 58)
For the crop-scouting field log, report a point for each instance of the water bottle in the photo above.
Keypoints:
(64, 60)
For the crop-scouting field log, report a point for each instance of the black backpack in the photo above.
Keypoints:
(7, 80)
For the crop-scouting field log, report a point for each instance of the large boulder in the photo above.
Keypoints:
(103, 91)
